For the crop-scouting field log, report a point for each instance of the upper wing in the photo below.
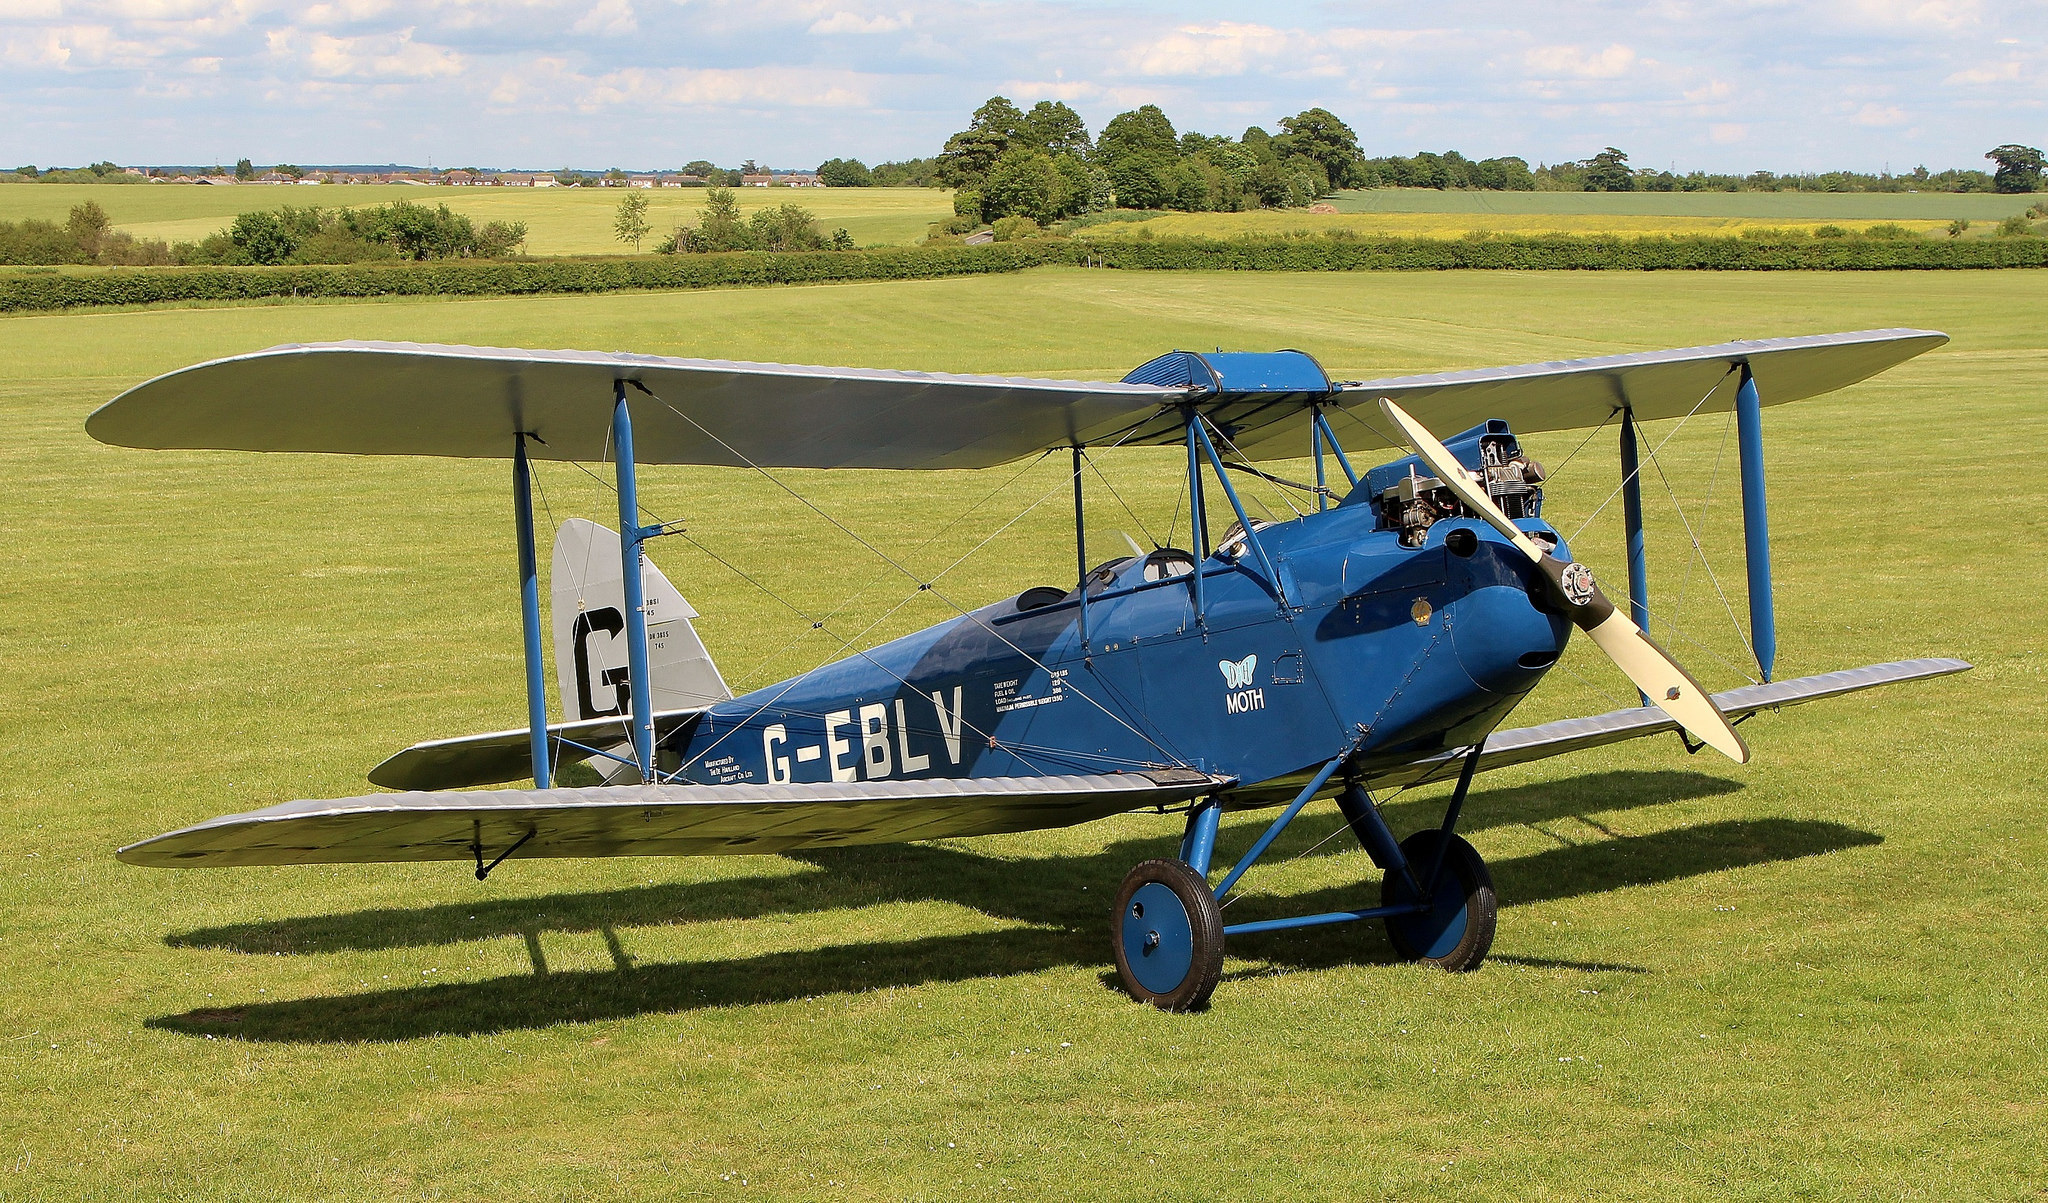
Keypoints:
(648, 820)
(375, 398)
(1575, 393)
(1525, 744)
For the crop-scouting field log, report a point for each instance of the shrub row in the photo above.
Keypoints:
(1562, 252)
(21, 292)
(39, 291)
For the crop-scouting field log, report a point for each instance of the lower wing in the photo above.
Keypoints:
(657, 820)
(671, 820)
(1525, 744)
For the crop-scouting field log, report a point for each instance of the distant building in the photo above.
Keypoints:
(756, 181)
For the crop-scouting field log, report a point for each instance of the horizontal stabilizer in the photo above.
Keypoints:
(657, 820)
(1525, 744)
(500, 756)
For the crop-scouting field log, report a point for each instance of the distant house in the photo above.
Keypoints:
(462, 179)
(542, 181)
(756, 181)
(795, 180)
(643, 181)
(512, 179)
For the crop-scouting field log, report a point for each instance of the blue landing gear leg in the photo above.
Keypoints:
(1168, 934)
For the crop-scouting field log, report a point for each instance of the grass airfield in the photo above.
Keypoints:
(1817, 976)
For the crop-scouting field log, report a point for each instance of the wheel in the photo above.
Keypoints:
(1457, 929)
(1168, 934)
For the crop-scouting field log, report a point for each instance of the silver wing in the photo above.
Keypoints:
(373, 398)
(657, 820)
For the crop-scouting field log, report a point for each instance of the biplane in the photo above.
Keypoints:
(1376, 638)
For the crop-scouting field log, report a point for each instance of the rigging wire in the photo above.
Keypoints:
(923, 586)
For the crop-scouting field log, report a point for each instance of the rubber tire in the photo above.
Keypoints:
(1464, 879)
(1205, 935)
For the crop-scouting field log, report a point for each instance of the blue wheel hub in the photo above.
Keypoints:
(1437, 931)
(1159, 942)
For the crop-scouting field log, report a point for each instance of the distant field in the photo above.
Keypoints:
(559, 221)
(1455, 224)
(1819, 976)
(1770, 208)
(577, 221)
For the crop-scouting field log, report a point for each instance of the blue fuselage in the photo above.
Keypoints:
(1417, 648)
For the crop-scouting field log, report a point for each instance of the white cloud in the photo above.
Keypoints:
(759, 87)
(608, 18)
(1880, 115)
(846, 22)
(1988, 73)
(1580, 62)
(385, 56)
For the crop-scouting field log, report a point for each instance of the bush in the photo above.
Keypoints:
(2016, 226)
(87, 236)
(401, 230)
(1830, 232)
(1889, 229)
(1009, 229)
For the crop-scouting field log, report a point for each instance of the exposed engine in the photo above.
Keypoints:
(1414, 502)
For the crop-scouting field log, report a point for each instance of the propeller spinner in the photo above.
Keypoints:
(1574, 593)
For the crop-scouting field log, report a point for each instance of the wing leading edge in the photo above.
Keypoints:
(1523, 745)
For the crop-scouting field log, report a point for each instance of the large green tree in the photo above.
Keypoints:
(845, 173)
(1609, 171)
(972, 153)
(1054, 128)
(1023, 183)
(2019, 168)
(1319, 135)
(1142, 131)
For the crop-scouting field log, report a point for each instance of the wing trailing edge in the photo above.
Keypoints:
(657, 820)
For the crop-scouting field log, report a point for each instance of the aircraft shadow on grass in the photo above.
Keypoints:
(1062, 921)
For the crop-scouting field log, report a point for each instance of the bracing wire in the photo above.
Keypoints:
(924, 586)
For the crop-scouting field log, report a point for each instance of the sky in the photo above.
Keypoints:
(1720, 85)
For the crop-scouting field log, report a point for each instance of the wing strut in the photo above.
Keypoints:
(529, 613)
(1756, 522)
(632, 542)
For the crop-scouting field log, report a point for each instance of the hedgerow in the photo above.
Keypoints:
(1564, 252)
(22, 292)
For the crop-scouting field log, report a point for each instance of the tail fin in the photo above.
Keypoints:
(590, 625)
